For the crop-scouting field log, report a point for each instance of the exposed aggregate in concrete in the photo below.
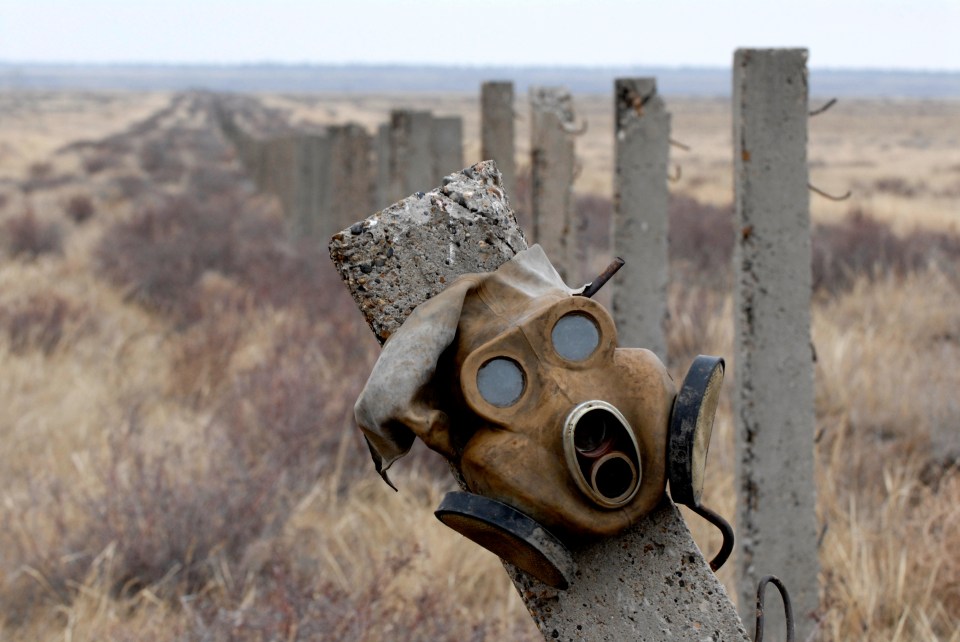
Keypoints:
(402, 255)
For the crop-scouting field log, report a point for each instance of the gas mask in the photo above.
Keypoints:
(559, 435)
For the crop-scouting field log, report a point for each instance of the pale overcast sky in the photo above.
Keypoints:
(876, 34)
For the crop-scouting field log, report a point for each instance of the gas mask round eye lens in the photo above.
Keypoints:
(500, 382)
(575, 336)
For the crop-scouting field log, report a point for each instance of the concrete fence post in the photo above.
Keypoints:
(497, 129)
(774, 399)
(447, 146)
(640, 221)
(381, 190)
(649, 583)
(552, 125)
(280, 171)
(312, 186)
(349, 177)
(411, 152)
(320, 178)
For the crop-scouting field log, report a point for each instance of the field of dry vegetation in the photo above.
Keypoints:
(177, 380)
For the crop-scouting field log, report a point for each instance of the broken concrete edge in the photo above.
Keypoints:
(632, 98)
(651, 582)
(555, 100)
(400, 256)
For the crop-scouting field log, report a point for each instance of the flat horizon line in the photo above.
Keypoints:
(439, 66)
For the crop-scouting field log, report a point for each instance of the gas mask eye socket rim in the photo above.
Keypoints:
(575, 336)
(501, 382)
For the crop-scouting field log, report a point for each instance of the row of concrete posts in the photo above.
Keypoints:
(774, 395)
(324, 175)
(776, 523)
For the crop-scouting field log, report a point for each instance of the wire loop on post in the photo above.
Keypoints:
(787, 608)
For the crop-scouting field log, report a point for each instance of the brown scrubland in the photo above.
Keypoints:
(177, 379)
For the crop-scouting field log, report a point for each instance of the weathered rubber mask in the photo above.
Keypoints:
(556, 431)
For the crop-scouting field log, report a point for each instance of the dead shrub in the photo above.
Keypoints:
(131, 186)
(40, 171)
(41, 321)
(79, 208)
(169, 523)
(26, 236)
(310, 607)
(899, 187)
(207, 148)
(161, 161)
(289, 411)
(160, 254)
(700, 236)
(203, 352)
(206, 181)
(862, 245)
(40, 176)
(99, 161)
(701, 241)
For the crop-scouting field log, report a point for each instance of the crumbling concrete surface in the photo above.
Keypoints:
(401, 256)
(649, 583)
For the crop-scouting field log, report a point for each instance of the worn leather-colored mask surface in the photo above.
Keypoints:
(521, 385)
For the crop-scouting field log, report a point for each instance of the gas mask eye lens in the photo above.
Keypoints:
(501, 382)
(575, 336)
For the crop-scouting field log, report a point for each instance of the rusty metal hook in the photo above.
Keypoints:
(725, 529)
(816, 112)
(575, 129)
(787, 607)
(827, 196)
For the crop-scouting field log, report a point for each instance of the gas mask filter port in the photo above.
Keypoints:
(691, 425)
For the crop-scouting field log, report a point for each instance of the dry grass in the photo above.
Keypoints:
(177, 383)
